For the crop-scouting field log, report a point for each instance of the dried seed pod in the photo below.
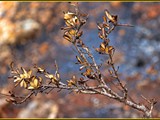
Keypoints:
(75, 21)
(101, 48)
(68, 15)
(81, 67)
(72, 32)
(99, 26)
(23, 84)
(72, 81)
(67, 37)
(50, 76)
(35, 83)
(109, 49)
(68, 23)
(79, 60)
(40, 70)
(100, 35)
(112, 18)
(87, 72)
(105, 19)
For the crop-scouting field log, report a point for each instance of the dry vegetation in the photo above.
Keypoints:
(39, 81)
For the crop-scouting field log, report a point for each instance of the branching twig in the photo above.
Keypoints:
(72, 32)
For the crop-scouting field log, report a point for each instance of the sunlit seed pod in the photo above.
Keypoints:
(105, 19)
(29, 73)
(54, 80)
(99, 28)
(109, 49)
(23, 84)
(69, 83)
(30, 88)
(81, 68)
(69, 23)
(109, 16)
(17, 79)
(76, 21)
(36, 82)
(67, 37)
(50, 76)
(112, 18)
(25, 76)
(72, 32)
(78, 59)
(68, 15)
(23, 70)
(66, 33)
(100, 35)
(40, 70)
(88, 72)
(102, 46)
(99, 25)
(22, 76)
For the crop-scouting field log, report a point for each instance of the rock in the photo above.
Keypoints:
(27, 29)
(18, 32)
(39, 109)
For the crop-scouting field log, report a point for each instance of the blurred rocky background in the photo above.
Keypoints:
(30, 34)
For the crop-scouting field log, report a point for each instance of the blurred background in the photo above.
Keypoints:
(30, 34)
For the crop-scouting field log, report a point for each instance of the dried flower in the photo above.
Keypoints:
(22, 78)
(51, 77)
(35, 83)
(72, 82)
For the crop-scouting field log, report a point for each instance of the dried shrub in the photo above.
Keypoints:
(42, 81)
